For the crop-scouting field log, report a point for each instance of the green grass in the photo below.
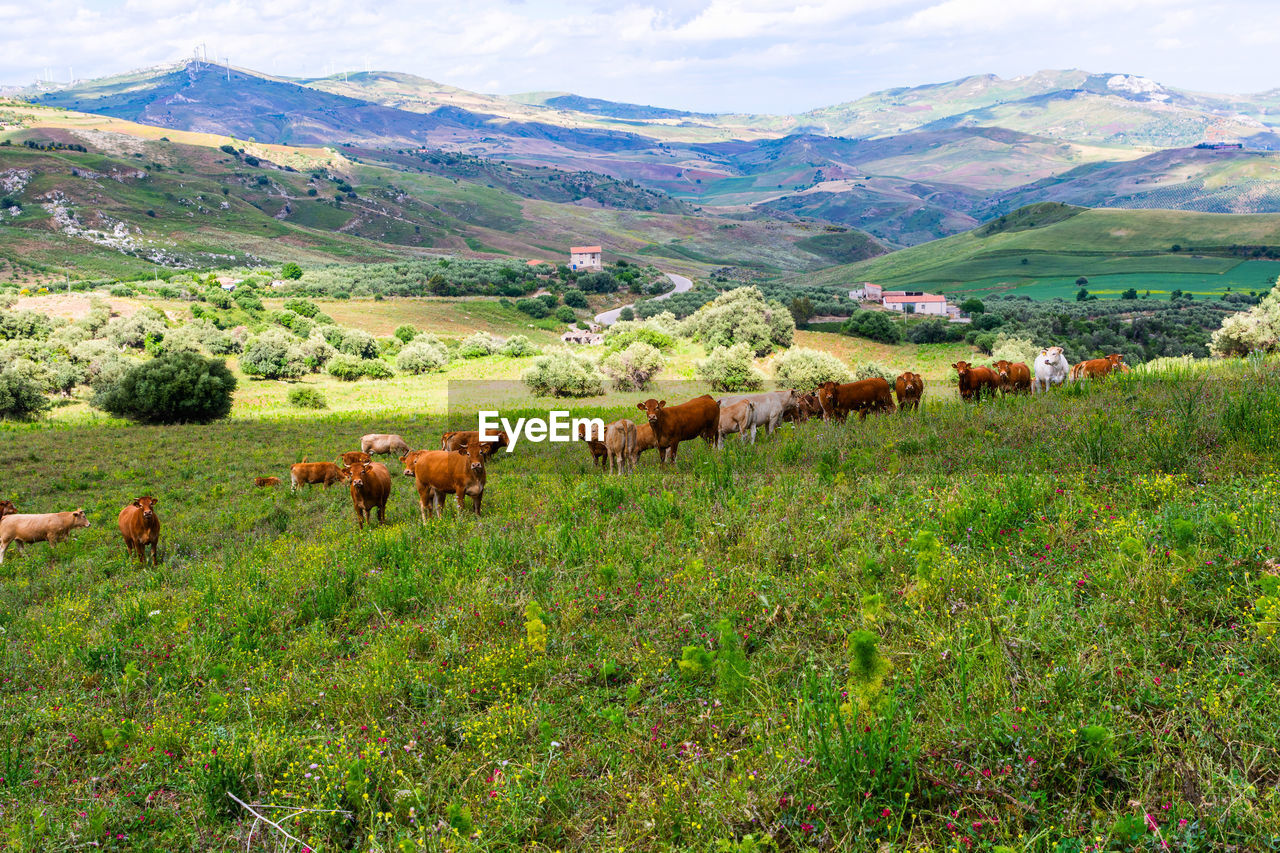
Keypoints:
(1044, 621)
(1114, 243)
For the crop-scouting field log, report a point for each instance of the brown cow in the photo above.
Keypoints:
(351, 457)
(599, 453)
(51, 527)
(866, 395)
(409, 459)
(140, 527)
(620, 441)
(674, 424)
(383, 442)
(1013, 376)
(453, 441)
(910, 388)
(439, 472)
(735, 417)
(262, 482)
(644, 441)
(370, 489)
(1096, 368)
(7, 508)
(306, 473)
(974, 380)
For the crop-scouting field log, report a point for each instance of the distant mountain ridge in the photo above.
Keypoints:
(907, 164)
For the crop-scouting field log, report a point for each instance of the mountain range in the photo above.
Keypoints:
(905, 165)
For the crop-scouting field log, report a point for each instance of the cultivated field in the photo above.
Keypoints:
(1045, 624)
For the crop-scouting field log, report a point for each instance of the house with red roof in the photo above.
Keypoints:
(585, 258)
(915, 302)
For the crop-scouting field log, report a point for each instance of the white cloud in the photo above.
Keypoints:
(745, 55)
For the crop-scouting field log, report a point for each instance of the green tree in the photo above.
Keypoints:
(180, 388)
(801, 308)
(21, 396)
(291, 271)
(973, 305)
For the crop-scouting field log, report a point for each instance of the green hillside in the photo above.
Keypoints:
(1156, 250)
(98, 197)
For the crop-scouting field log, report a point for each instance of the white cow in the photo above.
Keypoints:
(1051, 369)
(768, 408)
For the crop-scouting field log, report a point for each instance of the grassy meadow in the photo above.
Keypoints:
(1045, 624)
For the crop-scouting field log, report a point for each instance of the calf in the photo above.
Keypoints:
(409, 459)
(807, 406)
(351, 457)
(370, 489)
(1013, 376)
(140, 527)
(453, 441)
(620, 442)
(770, 407)
(1096, 368)
(7, 508)
(262, 482)
(599, 453)
(439, 472)
(306, 473)
(910, 388)
(736, 417)
(975, 380)
(378, 442)
(644, 441)
(51, 527)
(674, 424)
(866, 395)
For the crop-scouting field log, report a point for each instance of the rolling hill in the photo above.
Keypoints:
(906, 165)
(98, 197)
(1041, 251)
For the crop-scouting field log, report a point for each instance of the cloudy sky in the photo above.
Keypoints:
(712, 55)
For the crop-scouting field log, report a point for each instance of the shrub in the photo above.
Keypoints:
(934, 331)
(305, 307)
(518, 346)
(872, 370)
(291, 271)
(422, 357)
(477, 345)
(405, 333)
(20, 396)
(1014, 348)
(307, 398)
(565, 314)
(349, 368)
(316, 352)
(535, 308)
(1255, 329)
(620, 338)
(633, 368)
(874, 325)
(358, 343)
(742, 316)
(390, 345)
(731, 369)
(563, 374)
(806, 369)
(181, 388)
(274, 354)
(575, 298)
(133, 331)
(627, 313)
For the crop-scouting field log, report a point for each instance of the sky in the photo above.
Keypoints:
(754, 56)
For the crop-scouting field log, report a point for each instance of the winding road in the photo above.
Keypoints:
(682, 284)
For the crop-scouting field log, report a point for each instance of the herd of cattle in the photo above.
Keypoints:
(458, 467)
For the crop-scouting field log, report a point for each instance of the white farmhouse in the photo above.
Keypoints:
(585, 258)
(915, 302)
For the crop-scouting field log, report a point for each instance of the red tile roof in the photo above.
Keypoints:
(923, 297)
(584, 250)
